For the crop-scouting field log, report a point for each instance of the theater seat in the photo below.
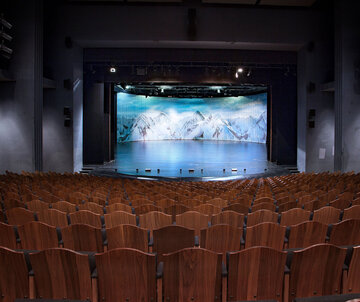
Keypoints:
(256, 273)
(176, 210)
(154, 220)
(352, 285)
(228, 217)
(117, 218)
(265, 234)
(82, 237)
(192, 274)
(294, 216)
(36, 235)
(306, 234)
(327, 215)
(86, 217)
(316, 271)
(7, 236)
(92, 207)
(126, 275)
(193, 220)
(19, 216)
(221, 238)
(345, 233)
(352, 212)
(53, 217)
(127, 236)
(14, 280)
(118, 207)
(172, 238)
(64, 206)
(61, 274)
(261, 216)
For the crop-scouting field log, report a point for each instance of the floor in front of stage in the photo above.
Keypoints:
(190, 159)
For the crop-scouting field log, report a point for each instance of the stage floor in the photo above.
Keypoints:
(207, 159)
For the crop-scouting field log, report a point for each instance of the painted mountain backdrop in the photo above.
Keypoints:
(156, 118)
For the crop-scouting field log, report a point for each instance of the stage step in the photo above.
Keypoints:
(292, 169)
(86, 169)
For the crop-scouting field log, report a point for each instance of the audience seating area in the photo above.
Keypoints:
(82, 237)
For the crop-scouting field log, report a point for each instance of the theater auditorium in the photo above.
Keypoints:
(179, 150)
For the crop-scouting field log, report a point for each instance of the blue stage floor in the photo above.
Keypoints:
(206, 158)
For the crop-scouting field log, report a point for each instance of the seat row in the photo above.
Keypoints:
(177, 214)
(192, 274)
(220, 238)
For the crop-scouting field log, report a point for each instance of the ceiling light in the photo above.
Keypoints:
(240, 70)
(236, 75)
(112, 69)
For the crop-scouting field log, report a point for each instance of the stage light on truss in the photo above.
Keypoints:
(240, 70)
(218, 91)
(162, 90)
(236, 75)
(127, 87)
(112, 69)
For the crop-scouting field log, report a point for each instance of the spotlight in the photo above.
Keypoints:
(240, 70)
(112, 69)
(162, 90)
(248, 73)
(236, 75)
(127, 87)
(218, 91)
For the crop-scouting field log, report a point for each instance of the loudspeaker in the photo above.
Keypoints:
(311, 124)
(191, 28)
(68, 42)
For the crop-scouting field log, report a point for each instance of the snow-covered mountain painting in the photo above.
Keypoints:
(242, 118)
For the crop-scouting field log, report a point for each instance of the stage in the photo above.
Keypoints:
(190, 160)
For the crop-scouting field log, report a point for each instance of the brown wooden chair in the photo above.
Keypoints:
(237, 207)
(228, 217)
(263, 206)
(19, 216)
(325, 263)
(53, 217)
(127, 236)
(352, 283)
(64, 206)
(207, 209)
(176, 210)
(294, 216)
(86, 217)
(92, 207)
(140, 201)
(7, 236)
(221, 238)
(154, 220)
(193, 220)
(218, 202)
(327, 215)
(146, 208)
(82, 237)
(288, 206)
(263, 199)
(345, 232)
(36, 235)
(315, 204)
(118, 207)
(192, 274)
(306, 234)
(265, 234)
(14, 280)
(352, 212)
(117, 218)
(256, 273)
(126, 275)
(340, 203)
(172, 238)
(37, 205)
(61, 274)
(11, 203)
(165, 203)
(261, 216)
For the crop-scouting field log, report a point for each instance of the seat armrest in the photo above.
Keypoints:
(94, 274)
(160, 269)
(151, 241)
(197, 243)
(224, 271)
